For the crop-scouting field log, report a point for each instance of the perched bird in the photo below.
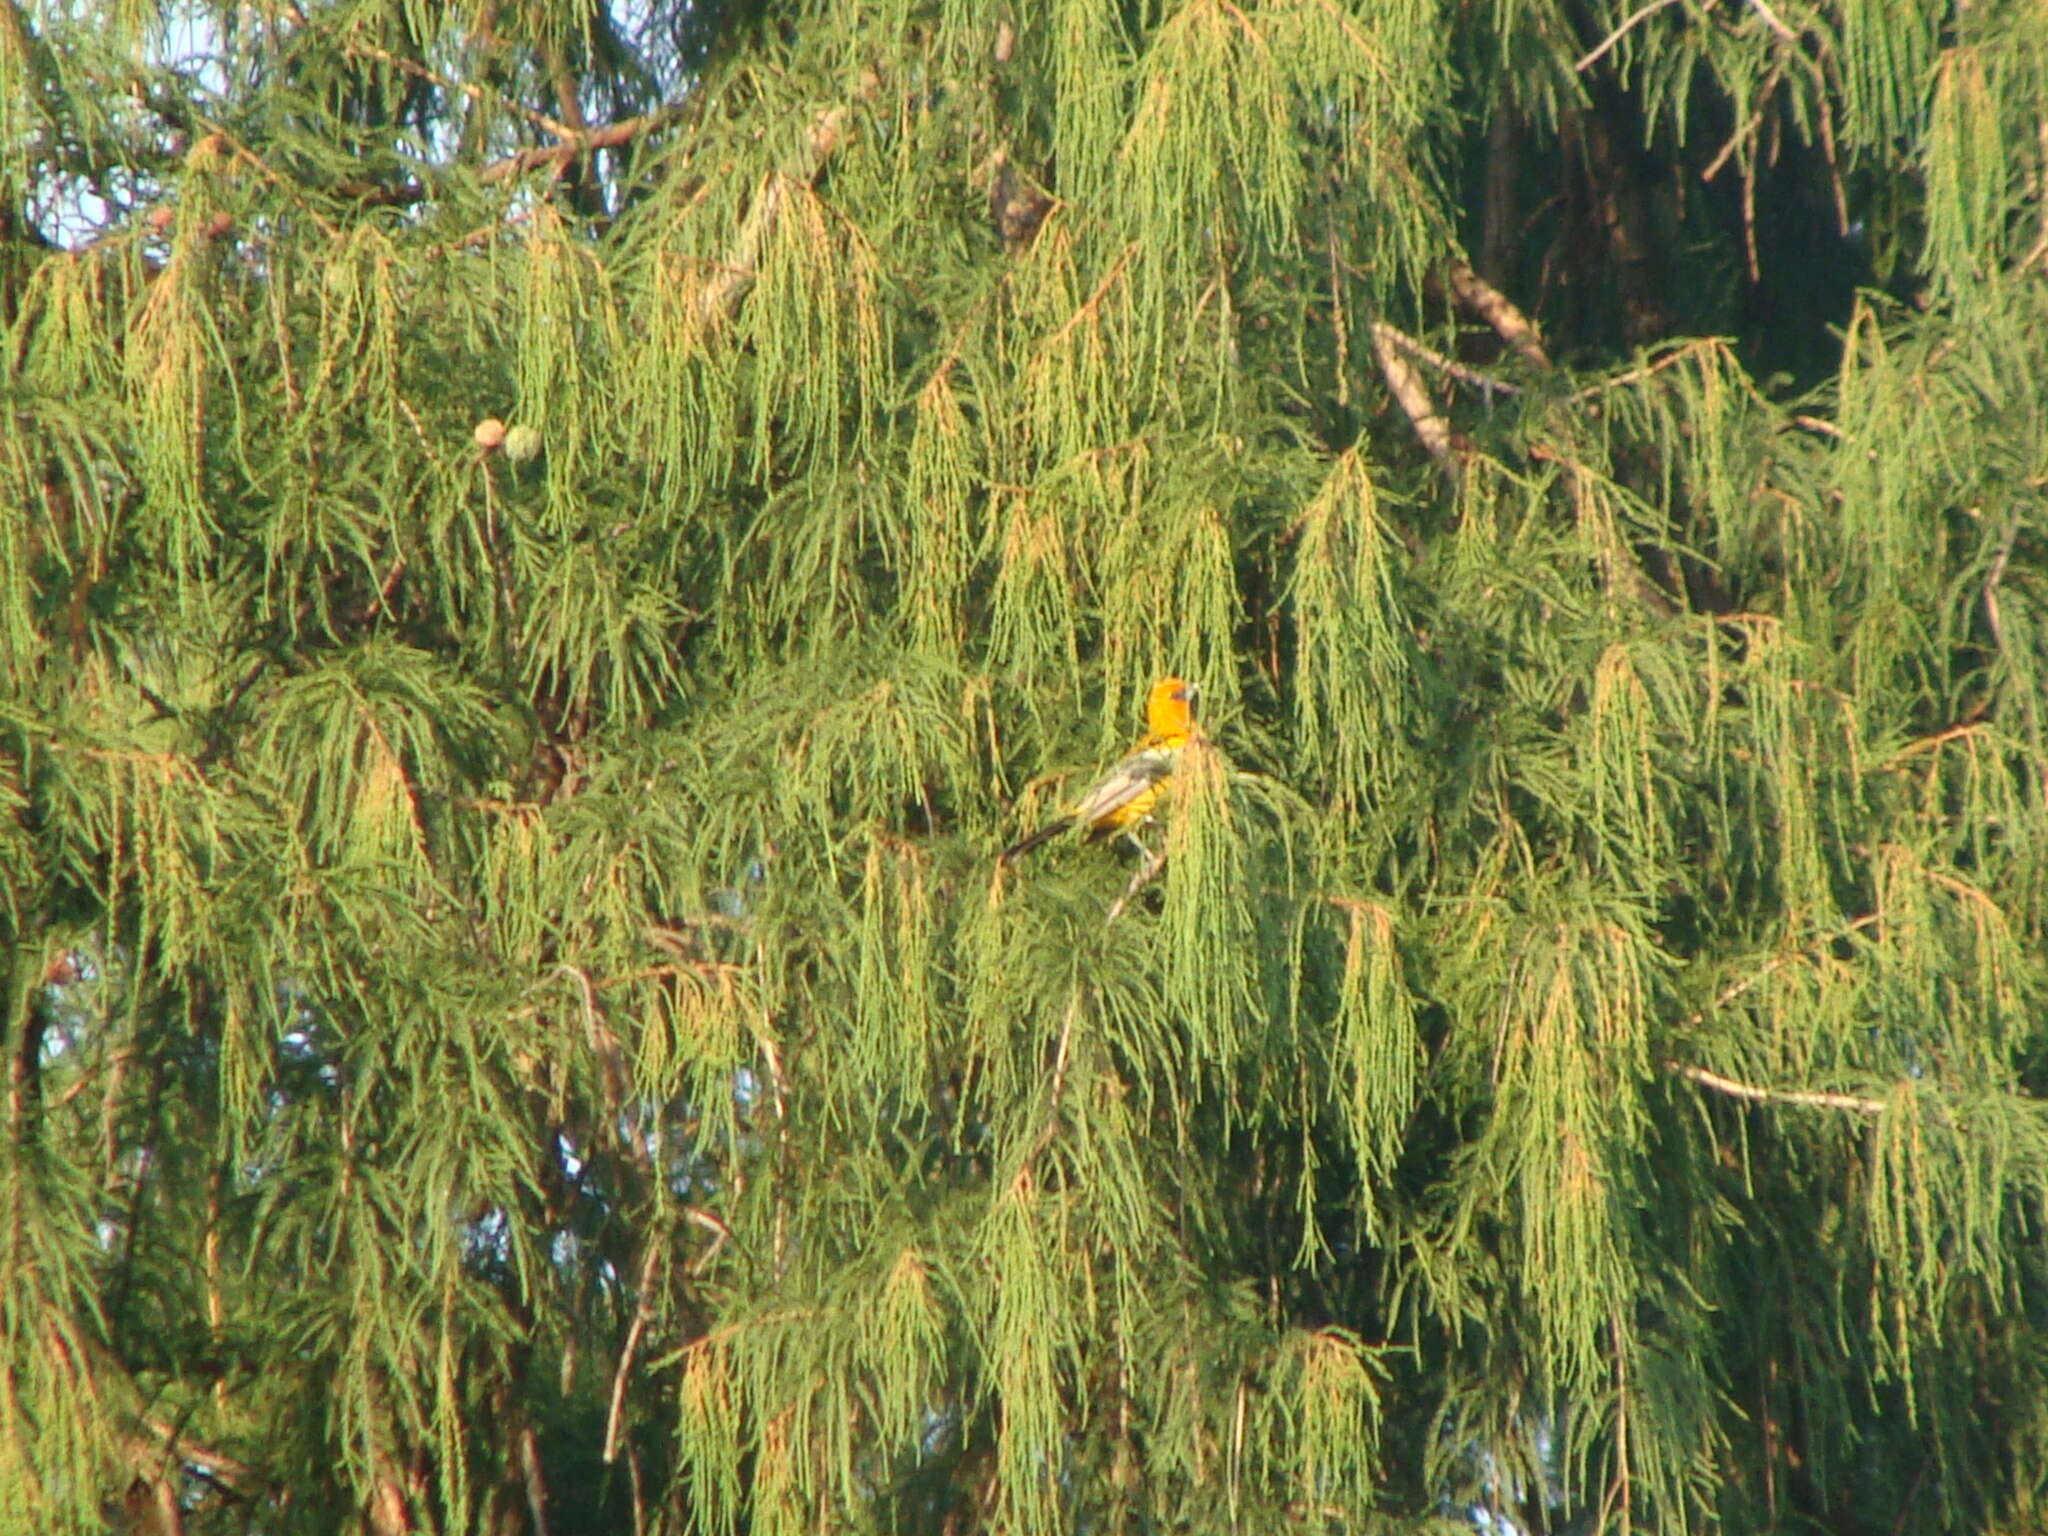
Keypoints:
(1017, 204)
(1129, 792)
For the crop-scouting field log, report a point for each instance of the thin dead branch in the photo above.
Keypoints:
(1607, 43)
(359, 47)
(536, 1484)
(1059, 1086)
(1772, 20)
(611, 136)
(1804, 1097)
(1675, 356)
(1939, 738)
(1750, 1092)
(642, 1306)
(1448, 366)
(1747, 128)
(1498, 311)
(1993, 578)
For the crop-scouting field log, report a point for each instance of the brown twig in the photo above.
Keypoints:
(1827, 144)
(721, 1234)
(117, 1060)
(536, 1484)
(1743, 132)
(1758, 978)
(357, 47)
(1772, 20)
(639, 1498)
(1642, 13)
(2038, 252)
(642, 1305)
(1090, 305)
(1059, 1087)
(1808, 1097)
(1929, 743)
(611, 136)
(1059, 1060)
(1676, 355)
(1993, 578)
(283, 183)
(615, 1077)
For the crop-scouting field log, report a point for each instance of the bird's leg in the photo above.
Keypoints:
(1146, 873)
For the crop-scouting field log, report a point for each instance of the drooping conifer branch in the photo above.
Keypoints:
(509, 736)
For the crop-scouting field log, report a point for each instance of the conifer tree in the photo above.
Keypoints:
(546, 545)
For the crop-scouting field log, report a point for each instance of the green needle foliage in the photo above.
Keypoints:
(545, 547)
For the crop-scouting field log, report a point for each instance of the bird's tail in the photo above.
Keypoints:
(1044, 834)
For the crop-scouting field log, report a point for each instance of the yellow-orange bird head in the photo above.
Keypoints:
(1170, 707)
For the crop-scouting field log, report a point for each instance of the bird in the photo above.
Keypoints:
(1126, 796)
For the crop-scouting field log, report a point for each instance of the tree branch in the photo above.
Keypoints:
(1677, 354)
(611, 136)
(25, 1073)
(1450, 367)
(1778, 963)
(1806, 1097)
(357, 47)
(1940, 738)
(1498, 311)
(1642, 13)
(1409, 392)
(536, 1485)
(1059, 1082)
(641, 1308)
(1773, 21)
(721, 296)
(2039, 251)
(1991, 581)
